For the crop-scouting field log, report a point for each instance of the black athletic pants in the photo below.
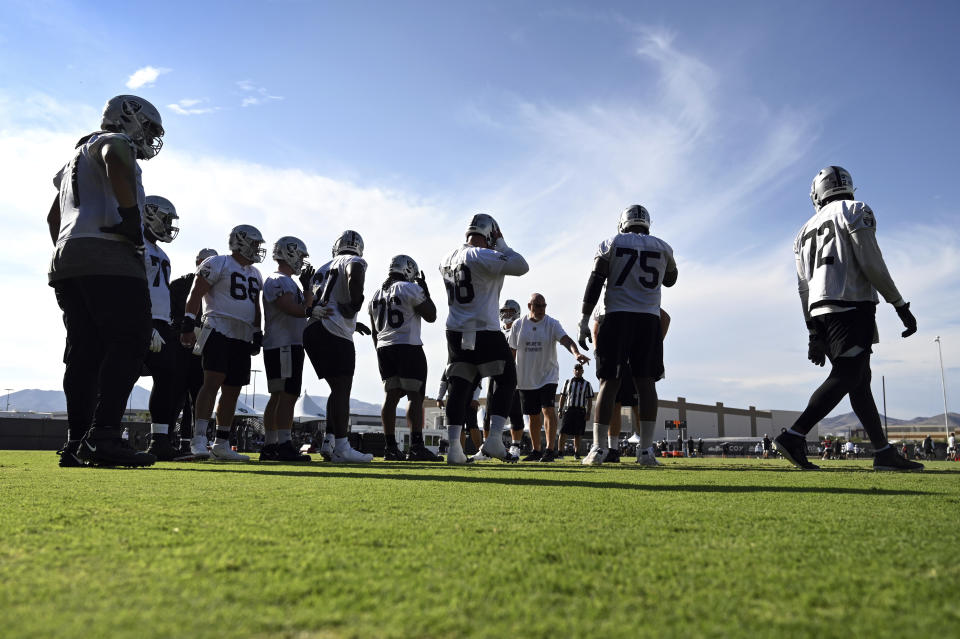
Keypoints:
(108, 324)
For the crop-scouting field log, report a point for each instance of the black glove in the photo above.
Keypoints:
(363, 329)
(129, 225)
(306, 274)
(422, 282)
(909, 321)
(816, 350)
(257, 343)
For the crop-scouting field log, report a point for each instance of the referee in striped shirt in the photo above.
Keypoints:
(576, 402)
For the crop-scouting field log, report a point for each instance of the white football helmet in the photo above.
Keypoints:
(485, 225)
(404, 266)
(247, 241)
(204, 254)
(509, 311)
(348, 242)
(830, 181)
(160, 216)
(139, 119)
(292, 251)
(634, 218)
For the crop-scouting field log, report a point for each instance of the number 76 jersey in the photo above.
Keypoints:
(637, 266)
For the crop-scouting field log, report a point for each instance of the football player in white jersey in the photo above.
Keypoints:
(285, 309)
(159, 225)
(396, 309)
(97, 272)
(634, 265)
(473, 275)
(328, 339)
(839, 271)
(229, 287)
(533, 339)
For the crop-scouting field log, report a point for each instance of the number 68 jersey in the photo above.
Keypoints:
(637, 266)
(230, 307)
(473, 278)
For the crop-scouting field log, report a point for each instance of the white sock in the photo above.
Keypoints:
(497, 423)
(159, 428)
(613, 441)
(453, 434)
(270, 437)
(341, 443)
(646, 432)
(600, 434)
(283, 435)
(200, 427)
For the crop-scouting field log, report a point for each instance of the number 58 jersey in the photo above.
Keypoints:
(824, 252)
(473, 278)
(637, 267)
(392, 314)
(230, 308)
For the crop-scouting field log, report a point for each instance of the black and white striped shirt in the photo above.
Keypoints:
(578, 391)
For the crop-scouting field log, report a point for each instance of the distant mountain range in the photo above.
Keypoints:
(847, 422)
(51, 401)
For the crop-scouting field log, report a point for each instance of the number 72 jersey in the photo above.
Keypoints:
(637, 266)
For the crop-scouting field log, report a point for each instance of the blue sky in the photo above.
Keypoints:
(401, 119)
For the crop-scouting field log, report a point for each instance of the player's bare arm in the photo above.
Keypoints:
(427, 310)
(192, 308)
(120, 164)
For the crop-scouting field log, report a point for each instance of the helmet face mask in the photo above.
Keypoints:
(292, 252)
(405, 267)
(349, 242)
(247, 241)
(510, 311)
(830, 182)
(159, 217)
(485, 226)
(138, 119)
(634, 219)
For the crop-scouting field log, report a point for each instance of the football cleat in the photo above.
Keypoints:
(326, 448)
(112, 452)
(549, 455)
(493, 447)
(595, 457)
(199, 447)
(268, 452)
(161, 448)
(392, 453)
(794, 449)
(890, 460)
(68, 454)
(422, 454)
(479, 456)
(514, 451)
(613, 456)
(456, 456)
(534, 456)
(347, 455)
(223, 452)
(647, 457)
(285, 452)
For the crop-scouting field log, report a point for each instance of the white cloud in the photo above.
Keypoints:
(145, 76)
(255, 94)
(191, 106)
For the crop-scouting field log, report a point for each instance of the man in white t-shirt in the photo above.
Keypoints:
(285, 309)
(229, 288)
(533, 339)
(396, 309)
(473, 275)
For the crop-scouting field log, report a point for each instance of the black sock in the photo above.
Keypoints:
(223, 434)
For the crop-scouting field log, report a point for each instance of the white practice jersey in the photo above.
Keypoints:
(230, 307)
(637, 266)
(392, 314)
(330, 290)
(838, 261)
(473, 278)
(87, 201)
(536, 346)
(158, 280)
(279, 328)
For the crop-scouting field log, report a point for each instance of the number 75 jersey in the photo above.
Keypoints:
(637, 266)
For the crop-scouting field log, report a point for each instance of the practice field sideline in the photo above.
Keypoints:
(701, 548)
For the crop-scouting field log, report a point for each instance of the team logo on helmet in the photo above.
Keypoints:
(404, 266)
(138, 119)
(292, 251)
(348, 242)
(247, 240)
(160, 216)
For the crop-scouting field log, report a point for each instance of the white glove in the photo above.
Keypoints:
(156, 342)
(319, 312)
(584, 335)
(501, 245)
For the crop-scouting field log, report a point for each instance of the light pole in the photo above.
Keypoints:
(8, 398)
(254, 371)
(943, 384)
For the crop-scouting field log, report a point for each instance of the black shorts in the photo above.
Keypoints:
(843, 331)
(489, 357)
(574, 422)
(632, 339)
(284, 366)
(403, 366)
(222, 354)
(534, 401)
(331, 355)
(166, 361)
(627, 393)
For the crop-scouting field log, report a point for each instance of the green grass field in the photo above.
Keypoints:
(701, 548)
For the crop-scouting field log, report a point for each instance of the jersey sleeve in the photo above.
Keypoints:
(413, 294)
(557, 330)
(488, 260)
(603, 251)
(860, 217)
(211, 269)
(273, 289)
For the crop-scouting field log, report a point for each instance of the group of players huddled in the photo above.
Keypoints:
(112, 281)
